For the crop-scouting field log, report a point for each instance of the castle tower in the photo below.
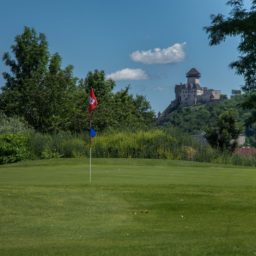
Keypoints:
(193, 76)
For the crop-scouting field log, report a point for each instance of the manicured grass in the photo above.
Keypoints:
(132, 207)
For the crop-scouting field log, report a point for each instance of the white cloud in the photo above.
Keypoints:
(128, 74)
(172, 54)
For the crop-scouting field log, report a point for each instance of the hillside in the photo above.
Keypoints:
(197, 118)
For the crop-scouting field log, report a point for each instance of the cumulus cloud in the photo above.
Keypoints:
(173, 54)
(128, 74)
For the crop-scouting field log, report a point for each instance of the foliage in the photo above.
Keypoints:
(13, 148)
(61, 144)
(197, 119)
(13, 125)
(189, 152)
(74, 147)
(131, 113)
(157, 144)
(22, 93)
(37, 89)
(249, 103)
(224, 135)
(41, 146)
(58, 100)
(118, 110)
(151, 144)
(51, 99)
(240, 22)
(161, 144)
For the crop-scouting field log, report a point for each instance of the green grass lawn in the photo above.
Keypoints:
(132, 207)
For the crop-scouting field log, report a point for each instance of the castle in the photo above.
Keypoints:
(192, 93)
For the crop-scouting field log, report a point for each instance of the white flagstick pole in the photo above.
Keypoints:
(90, 174)
(93, 103)
(90, 162)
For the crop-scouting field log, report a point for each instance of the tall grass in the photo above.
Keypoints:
(63, 144)
(154, 144)
(157, 144)
(149, 144)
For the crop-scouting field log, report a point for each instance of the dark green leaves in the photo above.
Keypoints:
(241, 22)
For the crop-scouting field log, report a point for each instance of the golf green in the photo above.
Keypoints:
(132, 207)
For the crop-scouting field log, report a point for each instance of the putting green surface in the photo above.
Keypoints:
(132, 207)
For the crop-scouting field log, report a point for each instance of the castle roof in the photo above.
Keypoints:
(193, 73)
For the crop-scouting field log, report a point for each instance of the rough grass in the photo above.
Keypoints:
(133, 207)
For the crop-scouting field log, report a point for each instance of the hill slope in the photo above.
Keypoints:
(197, 118)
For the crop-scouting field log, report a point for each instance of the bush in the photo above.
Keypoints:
(57, 145)
(74, 147)
(243, 160)
(42, 146)
(11, 125)
(13, 148)
(157, 144)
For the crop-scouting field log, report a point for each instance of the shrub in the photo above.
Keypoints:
(141, 144)
(42, 146)
(13, 148)
(189, 152)
(11, 125)
(56, 145)
(158, 144)
(74, 147)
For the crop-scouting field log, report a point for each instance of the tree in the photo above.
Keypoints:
(36, 88)
(51, 99)
(20, 94)
(249, 103)
(240, 22)
(118, 110)
(59, 96)
(130, 112)
(224, 135)
(144, 111)
(102, 118)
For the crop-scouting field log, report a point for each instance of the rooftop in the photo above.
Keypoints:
(193, 72)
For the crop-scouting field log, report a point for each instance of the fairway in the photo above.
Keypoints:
(132, 207)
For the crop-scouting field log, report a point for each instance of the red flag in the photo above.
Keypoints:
(92, 101)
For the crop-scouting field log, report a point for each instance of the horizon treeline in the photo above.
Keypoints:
(46, 98)
(51, 99)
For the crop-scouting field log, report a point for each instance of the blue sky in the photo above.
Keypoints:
(147, 44)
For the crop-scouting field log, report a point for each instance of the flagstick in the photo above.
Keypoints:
(90, 161)
(92, 105)
(90, 174)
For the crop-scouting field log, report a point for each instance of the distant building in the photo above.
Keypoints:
(189, 94)
(192, 93)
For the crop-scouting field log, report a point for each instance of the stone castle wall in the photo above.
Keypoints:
(192, 93)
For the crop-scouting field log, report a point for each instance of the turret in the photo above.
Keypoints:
(193, 76)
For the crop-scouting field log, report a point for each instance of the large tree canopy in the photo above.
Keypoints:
(118, 110)
(240, 22)
(27, 70)
(51, 99)
(36, 87)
